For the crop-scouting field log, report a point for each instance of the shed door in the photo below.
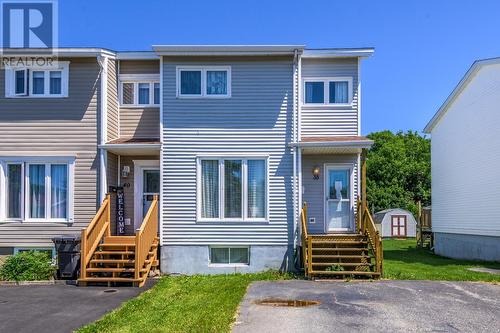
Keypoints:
(398, 225)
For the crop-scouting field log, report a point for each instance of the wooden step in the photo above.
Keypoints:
(109, 279)
(113, 270)
(115, 245)
(341, 256)
(344, 273)
(120, 240)
(117, 252)
(343, 249)
(328, 264)
(344, 242)
(112, 261)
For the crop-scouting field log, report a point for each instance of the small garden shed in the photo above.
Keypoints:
(395, 222)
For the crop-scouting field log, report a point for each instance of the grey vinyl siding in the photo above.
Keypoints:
(140, 122)
(314, 189)
(328, 120)
(112, 104)
(257, 119)
(55, 126)
(139, 66)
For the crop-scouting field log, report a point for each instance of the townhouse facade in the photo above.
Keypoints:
(233, 139)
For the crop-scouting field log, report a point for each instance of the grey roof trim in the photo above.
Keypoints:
(469, 75)
(61, 52)
(334, 144)
(338, 53)
(226, 49)
(137, 55)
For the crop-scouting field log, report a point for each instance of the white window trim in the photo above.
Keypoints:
(210, 264)
(244, 197)
(326, 94)
(10, 81)
(26, 161)
(203, 70)
(135, 79)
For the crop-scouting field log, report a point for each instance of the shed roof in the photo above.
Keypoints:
(379, 216)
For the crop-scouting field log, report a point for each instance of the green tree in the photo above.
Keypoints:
(398, 171)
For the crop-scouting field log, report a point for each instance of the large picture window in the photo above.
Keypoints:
(37, 190)
(233, 189)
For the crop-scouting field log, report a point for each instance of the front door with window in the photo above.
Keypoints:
(398, 225)
(339, 205)
(147, 185)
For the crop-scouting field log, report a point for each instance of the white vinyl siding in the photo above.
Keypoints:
(256, 121)
(465, 153)
(330, 119)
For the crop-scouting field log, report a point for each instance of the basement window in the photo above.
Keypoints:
(229, 255)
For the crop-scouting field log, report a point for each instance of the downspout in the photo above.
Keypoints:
(294, 151)
(103, 160)
(162, 197)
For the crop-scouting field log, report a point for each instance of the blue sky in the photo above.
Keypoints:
(422, 47)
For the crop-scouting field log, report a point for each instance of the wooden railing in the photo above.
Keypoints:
(370, 230)
(306, 246)
(95, 231)
(145, 236)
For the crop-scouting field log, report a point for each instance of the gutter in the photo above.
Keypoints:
(333, 144)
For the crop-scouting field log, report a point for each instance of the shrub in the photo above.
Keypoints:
(27, 266)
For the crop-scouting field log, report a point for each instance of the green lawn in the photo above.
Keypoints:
(183, 304)
(404, 261)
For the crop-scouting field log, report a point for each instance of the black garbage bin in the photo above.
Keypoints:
(68, 256)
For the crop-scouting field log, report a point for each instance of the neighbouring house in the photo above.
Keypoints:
(465, 150)
(231, 139)
(396, 222)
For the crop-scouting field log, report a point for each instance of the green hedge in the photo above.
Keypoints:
(27, 266)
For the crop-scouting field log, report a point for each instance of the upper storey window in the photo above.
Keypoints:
(204, 82)
(328, 91)
(36, 82)
(139, 90)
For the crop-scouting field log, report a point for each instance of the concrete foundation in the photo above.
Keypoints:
(193, 259)
(470, 247)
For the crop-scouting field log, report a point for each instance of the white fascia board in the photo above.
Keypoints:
(338, 53)
(226, 49)
(60, 52)
(469, 75)
(137, 55)
(131, 145)
(334, 144)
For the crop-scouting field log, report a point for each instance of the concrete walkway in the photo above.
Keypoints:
(59, 307)
(381, 306)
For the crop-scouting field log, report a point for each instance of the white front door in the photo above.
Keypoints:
(147, 184)
(339, 199)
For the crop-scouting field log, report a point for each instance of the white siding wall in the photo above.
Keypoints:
(466, 160)
(330, 120)
(256, 119)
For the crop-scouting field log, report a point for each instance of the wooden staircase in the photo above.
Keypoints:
(119, 259)
(355, 255)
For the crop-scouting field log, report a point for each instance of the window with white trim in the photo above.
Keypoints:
(328, 91)
(140, 93)
(232, 189)
(204, 82)
(37, 190)
(234, 255)
(37, 82)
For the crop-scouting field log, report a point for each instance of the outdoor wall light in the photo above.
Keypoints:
(316, 170)
(125, 171)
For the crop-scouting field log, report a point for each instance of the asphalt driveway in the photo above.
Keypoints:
(380, 306)
(59, 307)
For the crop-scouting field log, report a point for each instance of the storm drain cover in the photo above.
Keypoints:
(287, 302)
